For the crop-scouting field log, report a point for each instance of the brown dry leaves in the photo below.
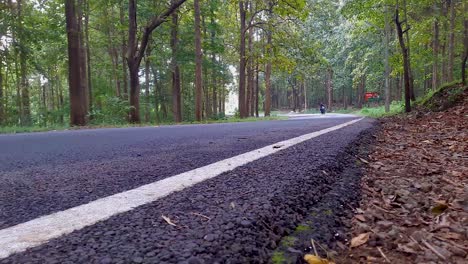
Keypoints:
(415, 192)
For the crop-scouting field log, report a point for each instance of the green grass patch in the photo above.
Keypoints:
(29, 129)
(288, 241)
(278, 257)
(448, 95)
(19, 129)
(378, 112)
(303, 228)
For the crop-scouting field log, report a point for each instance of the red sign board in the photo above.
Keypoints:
(371, 95)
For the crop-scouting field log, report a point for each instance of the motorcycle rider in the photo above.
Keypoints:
(322, 108)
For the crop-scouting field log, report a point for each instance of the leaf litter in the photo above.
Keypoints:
(414, 206)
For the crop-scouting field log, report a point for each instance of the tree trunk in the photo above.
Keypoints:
(133, 63)
(404, 51)
(451, 48)
(359, 93)
(465, 42)
(123, 55)
(198, 63)
(88, 59)
(304, 85)
(24, 90)
(77, 100)
(257, 90)
(387, 64)
(330, 88)
(435, 48)
(250, 68)
(83, 62)
(2, 108)
(242, 60)
(407, 36)
(213, 72)
(268, 73)
(176, 99)
(147, 87)
(157, 93)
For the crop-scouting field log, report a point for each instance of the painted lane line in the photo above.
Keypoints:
(40, 230)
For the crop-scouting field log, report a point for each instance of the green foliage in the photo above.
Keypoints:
(112, 111)
(378, 112)
(288, 241)
(278, 257)
(302, 228)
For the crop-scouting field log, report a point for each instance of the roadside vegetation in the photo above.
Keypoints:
(414, 186)
(116, 63)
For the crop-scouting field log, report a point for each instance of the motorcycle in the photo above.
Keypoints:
(322, 109)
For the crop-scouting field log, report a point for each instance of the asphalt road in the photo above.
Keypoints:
(216, 220)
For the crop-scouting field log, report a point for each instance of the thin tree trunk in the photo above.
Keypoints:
(408, 47)
(25, 103)
(83, 62)
(242, 60)
(77, 109)
(387, 64)
(123, 54)
(250, 68)
(176, 97)
(330, 88)
(257, 89)
(269, 54)
(451, 48)
(435, 48)
(198, 63)
(444, 57)
(2, 108)
(88, 59)
(147, 86)
(465, 42)
(215, 92)
(404, 52)
(304, 84)
(157, 94)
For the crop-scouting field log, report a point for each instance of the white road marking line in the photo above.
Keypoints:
(40, 230)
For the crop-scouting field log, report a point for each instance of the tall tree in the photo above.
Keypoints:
(451, 48)
(77, 95)
(2, 110)
(387, 32)
(176, 96)
(404, 51)
(435, 49)
(198, 63)
(242, 60)
(24, 84)
(269, 55)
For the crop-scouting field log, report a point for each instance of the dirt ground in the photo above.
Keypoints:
(414, 206)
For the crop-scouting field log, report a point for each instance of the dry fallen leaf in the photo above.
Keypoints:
(168, 220)
(359, 240)
(360, 218)
(439, 208)
(313, 259)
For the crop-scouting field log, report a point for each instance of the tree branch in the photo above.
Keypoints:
(152, 25)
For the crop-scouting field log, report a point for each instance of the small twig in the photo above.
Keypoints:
(168, 220)
(204, 216)
(433, 249)
(415, 241)
(451, 243)
(313, 246)
(383, 255)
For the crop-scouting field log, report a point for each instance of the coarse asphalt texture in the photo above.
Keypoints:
(237, 217)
